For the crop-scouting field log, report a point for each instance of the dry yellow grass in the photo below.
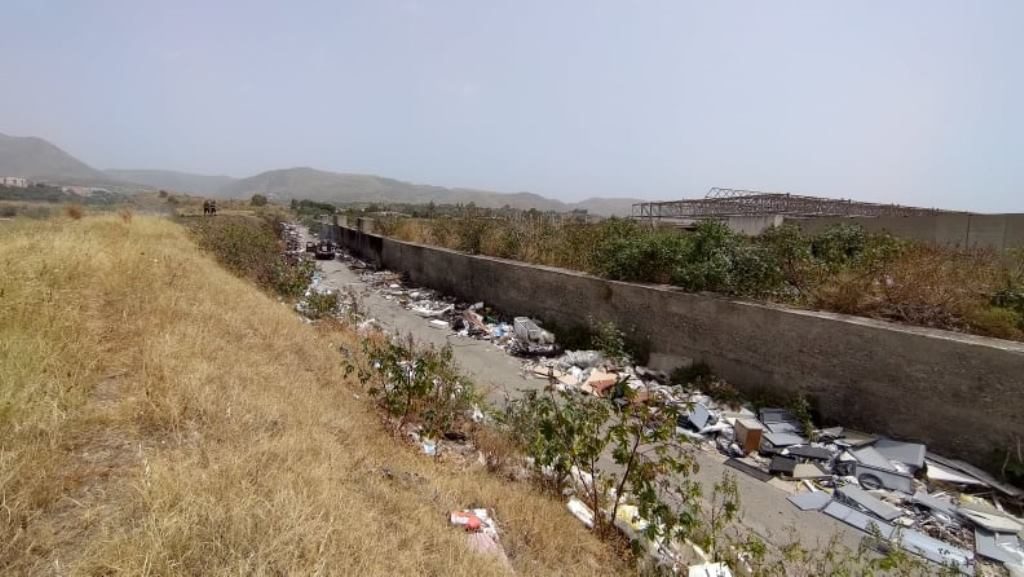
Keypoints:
(159, 416)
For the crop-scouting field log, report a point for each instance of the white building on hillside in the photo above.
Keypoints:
(14, 181)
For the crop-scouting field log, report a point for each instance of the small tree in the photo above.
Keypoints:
(565, 434)
(258, 200)
(416, 384)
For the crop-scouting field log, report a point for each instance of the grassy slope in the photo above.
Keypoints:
(160, 416)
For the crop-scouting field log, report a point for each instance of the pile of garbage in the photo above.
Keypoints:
(521, 337)
(343, 303)
(292, 238)
(944, 510)
(590, 372)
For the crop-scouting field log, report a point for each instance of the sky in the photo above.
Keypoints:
(912, 101)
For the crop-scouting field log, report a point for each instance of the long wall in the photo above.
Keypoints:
(996, 231)
(960, 394)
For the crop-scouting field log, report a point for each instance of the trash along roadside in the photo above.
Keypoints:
(942, 510)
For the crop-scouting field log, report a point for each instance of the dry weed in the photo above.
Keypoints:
(160, 416)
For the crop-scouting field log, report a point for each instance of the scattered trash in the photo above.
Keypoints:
(582, 359)
(429, 447)
(940, 509)
(909, 454)
(474, 520)
(581, 511)
(868, 502)
(992, 522)
(809, 471)
(876, 478)
(699, 416)
(783, 465)
(859, 520)
(528, 331)
(1003, 547)
(482, 532)
(709, 570)
(749, 468)
(810, 501)
(809, 452)
(748, 434)
(485, 544)
(599, 381)
(939, 473)
(934, 503)
(937, 551)
(977, 474)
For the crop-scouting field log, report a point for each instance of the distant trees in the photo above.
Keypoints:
(258, 200)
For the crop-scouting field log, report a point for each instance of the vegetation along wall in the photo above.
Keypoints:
(962, 395)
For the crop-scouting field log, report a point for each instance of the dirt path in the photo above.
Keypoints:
(766, 510)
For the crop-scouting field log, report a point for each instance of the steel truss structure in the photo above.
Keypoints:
(721, 202)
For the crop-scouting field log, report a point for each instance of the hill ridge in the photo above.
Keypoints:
(38, 159)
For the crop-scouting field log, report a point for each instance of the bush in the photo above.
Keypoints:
(413, 384)
(250, 248)
(793, 256)
(566, 436)
(258, 200)
(469, 233)
(708, 264)
(607, 338)
(839, 245)
(320, 305)
(630, 254)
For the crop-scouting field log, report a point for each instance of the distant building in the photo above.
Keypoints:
(14, 181)
(84, 190)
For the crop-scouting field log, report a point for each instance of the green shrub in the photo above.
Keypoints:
(414, 384)
(607, 338)
(794, 260)
(250, 248)
(839, 245)
(320, 305)
(565, 434)
(469, 233)
(630, 252)
(999, 322)
(709, 263)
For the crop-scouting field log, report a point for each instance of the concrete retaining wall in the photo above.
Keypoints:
(962, 395)
(996, 231)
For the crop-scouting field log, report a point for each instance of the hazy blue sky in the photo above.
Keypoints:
(904, 101)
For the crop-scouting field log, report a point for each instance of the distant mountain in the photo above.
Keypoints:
(199, 184)
(311, 184)
(37, 159)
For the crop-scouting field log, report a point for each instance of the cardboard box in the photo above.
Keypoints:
(748, 434)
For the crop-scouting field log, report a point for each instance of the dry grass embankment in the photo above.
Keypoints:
(160, 416)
